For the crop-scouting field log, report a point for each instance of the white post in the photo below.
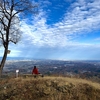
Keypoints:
(17, 71)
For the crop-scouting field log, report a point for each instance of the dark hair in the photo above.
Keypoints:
(34, 66)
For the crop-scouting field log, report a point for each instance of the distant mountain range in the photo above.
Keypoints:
(27, 58)
(19, 58)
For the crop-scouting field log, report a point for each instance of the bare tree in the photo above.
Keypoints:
(10, 13)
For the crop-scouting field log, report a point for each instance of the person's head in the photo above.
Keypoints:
(34, 66)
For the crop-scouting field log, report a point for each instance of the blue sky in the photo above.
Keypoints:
(63, 29)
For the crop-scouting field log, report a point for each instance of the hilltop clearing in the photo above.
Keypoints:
(48, 88)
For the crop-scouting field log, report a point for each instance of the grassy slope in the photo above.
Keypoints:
(48, 88)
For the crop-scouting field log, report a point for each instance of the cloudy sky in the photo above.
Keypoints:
(63, 29)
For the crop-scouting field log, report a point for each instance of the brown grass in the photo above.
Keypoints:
(75, 81)
(48, 88)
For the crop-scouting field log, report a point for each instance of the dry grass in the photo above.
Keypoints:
(75, 81)
(48, 88)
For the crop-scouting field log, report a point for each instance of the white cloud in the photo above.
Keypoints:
(83, 17)
(97, 39)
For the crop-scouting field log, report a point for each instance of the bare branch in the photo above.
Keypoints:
(12, 41)
(3, 23)
(2, 37)
(10, 13)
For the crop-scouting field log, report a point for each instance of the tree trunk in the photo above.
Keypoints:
(3, 61)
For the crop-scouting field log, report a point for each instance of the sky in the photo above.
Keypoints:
(62, 30)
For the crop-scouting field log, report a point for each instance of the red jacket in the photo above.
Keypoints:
(35, 71)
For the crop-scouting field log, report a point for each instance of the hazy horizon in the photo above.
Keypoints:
(30, 58)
